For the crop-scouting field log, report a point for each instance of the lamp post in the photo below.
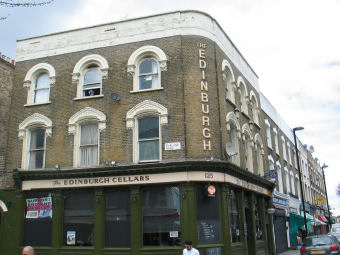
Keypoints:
(299, 170)
(324, 181)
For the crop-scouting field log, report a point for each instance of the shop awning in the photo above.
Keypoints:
(295, 222)
(322, 218)
(279, 207)
(317, 222)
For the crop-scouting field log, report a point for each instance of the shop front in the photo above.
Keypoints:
(141, 210)
(280, 203)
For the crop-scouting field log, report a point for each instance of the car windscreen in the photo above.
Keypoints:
(317, 240)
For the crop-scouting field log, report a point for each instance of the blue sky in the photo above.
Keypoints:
(292, 45)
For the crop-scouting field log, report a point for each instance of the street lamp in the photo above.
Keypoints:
(324, 181)
(299, 170)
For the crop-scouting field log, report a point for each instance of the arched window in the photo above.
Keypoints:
(42, 89)
(248, 144)
(279, 176)
(148, 74)
(92, 82)
(86, 125)
(88, 148)
(234, 135)
(287, 180)
(145, 65)
(229, 81)
(243, 94)
(146, 120)
(292, 182)
(148, 138)
(254, 107)
(38, 81)
(33, 131)
(259, 154)
(88, 75)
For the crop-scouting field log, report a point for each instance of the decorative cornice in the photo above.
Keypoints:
(199, 165)
(87, 113)
(146, 107)
(35, 119)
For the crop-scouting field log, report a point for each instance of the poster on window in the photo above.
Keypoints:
(71, 238)
(39, 207)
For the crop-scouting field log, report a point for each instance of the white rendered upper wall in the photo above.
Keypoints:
(134, 30)
(270, 110)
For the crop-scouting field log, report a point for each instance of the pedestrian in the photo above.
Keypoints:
(28, 250)
(189, 250)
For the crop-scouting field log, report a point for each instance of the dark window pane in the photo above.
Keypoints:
(259, 231)
(37, 231)
(234, 218)
(117, 219)
(37, 138)
(161, 216)
(78, 218)
(148, 128)
(147, 66)
(37, 149)
(149, 150)
(208, 220)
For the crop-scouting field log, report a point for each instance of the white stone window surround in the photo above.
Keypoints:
(254, 107)
(279, 176)
(242, 89)
(232, 123)
(80, 69)
(268, 133)
(292, 182)
(31, 77)
(276, 139)
(248, 145)
(33, 121)
(145, 109)
(148, 51)
(289, 153)
(229, 78)
(85, 115)
(287, 179)
(284, 151)
(259, 153)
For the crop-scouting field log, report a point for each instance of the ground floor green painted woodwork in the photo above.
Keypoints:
(143, 209)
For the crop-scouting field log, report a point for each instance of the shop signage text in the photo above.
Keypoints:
(204, 98)
(101, 180)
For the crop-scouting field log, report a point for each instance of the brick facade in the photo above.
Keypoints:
(6, 84)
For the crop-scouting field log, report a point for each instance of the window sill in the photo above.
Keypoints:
(30, 105)
(148, 161)
(86, 98)
(145, 90)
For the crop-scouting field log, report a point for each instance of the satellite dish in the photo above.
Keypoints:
(230, 149)
(115, 96)
(311, 149)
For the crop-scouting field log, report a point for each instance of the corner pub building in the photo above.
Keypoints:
(133, 136)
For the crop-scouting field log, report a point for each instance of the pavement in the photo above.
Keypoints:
(290, 252)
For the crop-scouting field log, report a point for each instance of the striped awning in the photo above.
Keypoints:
(322, 218)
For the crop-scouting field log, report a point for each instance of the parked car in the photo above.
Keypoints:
(335, 227)
(336, 234)
(320, 244)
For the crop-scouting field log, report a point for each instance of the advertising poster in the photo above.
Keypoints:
(39, 208)
(71, 238)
